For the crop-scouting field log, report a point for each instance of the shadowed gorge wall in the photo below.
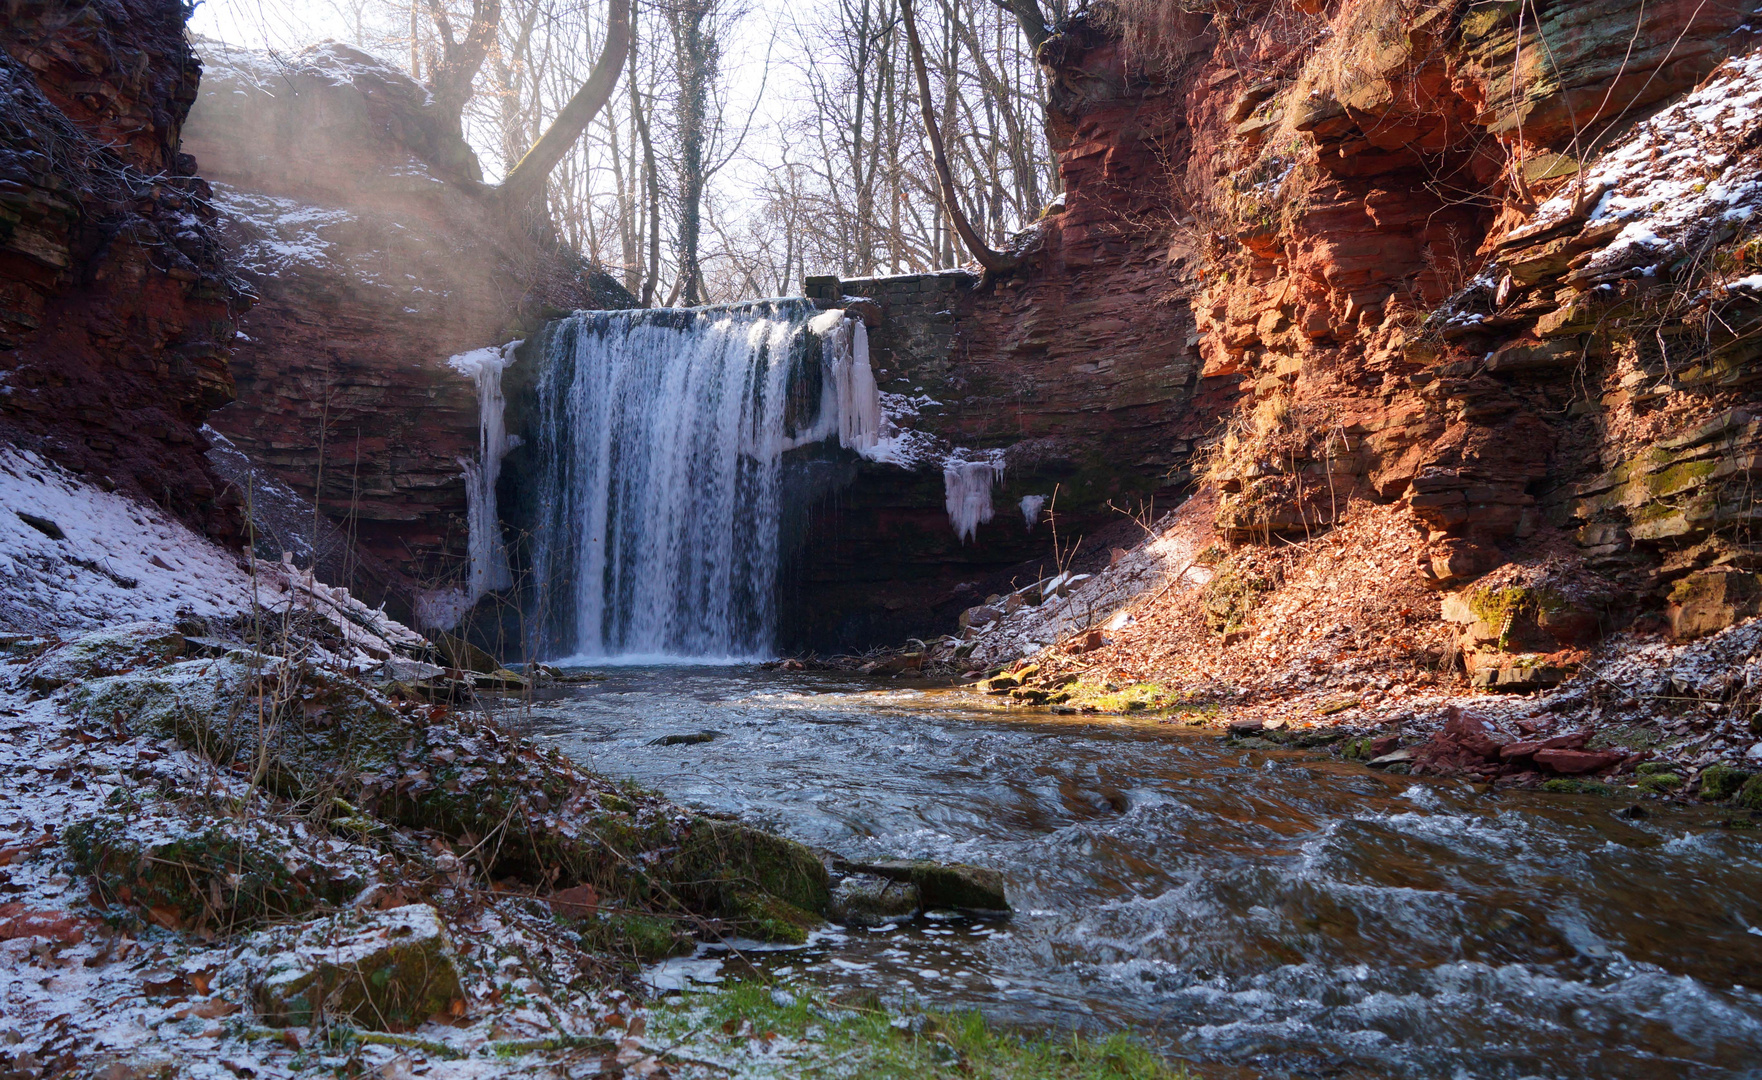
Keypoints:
(116, 303)
(351, 208)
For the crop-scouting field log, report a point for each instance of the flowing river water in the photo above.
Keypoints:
(1250, 913)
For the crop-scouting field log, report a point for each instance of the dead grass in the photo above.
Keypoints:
(1346, 612)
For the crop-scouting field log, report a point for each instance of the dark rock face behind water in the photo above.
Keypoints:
(116, 306)
(350, 208)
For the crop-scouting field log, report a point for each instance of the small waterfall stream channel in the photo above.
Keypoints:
(1251, 913)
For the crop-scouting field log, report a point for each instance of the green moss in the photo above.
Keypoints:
(1721, 781)
(1109, 698)
(1679, 477)
(1571, 786)
(227, 876)
(865, 1043)
(638, 937)
(1750, 795)
(1660, 782)
(1230, 597)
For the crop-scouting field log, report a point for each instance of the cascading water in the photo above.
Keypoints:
(660, 436)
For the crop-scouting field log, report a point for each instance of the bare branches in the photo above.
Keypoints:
(992, 261)
(527, 178)
(452, 73)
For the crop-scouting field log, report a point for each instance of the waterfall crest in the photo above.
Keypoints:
(660, 437)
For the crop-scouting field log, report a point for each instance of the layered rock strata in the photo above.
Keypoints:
(351, 208)
(116, 303)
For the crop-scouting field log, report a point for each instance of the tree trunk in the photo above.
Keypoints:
(527, 179)
(992, 261)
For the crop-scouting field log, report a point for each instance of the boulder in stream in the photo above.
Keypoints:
(871, 900)
(944, 885)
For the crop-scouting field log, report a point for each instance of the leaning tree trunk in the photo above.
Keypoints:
(993, 261)
(527, 179)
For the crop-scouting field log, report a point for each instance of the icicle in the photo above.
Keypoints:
(850, 404)
(487, 558)
(966, 489)
(1031, 507)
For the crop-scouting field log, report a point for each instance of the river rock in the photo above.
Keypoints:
(687, 738)
(386, 970)
(870, 900)
(402, 669)
(945, 885)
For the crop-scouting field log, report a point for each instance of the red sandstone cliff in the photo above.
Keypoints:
(350, 208)
(116, 304)
(1475, 290)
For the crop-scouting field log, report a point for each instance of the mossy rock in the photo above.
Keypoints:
(309, 728)
(226, 876)
(769, 919)
(718, 862)
(106, 652)
(871, 900)
(1660, 782)
(1230, 597)
(1721, 781)
(1749, 796)
(386, 970)
(1573, 786)
(945, 885)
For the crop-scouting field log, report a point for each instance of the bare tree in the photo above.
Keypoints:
(992, 261)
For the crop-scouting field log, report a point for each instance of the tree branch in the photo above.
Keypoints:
(527, 179)
(992, 261)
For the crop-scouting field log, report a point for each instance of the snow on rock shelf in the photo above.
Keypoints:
(74, 558)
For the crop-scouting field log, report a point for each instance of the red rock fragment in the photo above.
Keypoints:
(1574, 762)
(18, 921)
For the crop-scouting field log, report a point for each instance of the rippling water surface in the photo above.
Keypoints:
(1252, 913)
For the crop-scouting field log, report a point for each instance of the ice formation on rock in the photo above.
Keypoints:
(487, 563)
(1031, 507)
(966, 489)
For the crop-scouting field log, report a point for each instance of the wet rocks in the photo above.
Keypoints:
(871, 900)
(1721, 781)
(944, 885)
(689, 738)
(386, 971)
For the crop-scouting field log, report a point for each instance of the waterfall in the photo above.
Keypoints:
(659, 438)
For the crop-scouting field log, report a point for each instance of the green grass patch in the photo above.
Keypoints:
(868, 1043)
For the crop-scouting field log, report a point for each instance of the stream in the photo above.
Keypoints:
(1249, 913)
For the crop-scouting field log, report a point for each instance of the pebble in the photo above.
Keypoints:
(1754, 753)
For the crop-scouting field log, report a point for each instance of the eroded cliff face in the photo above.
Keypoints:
(116, 304)
(1473, 265)
(1483, 272)
(351, 209)
(1082, 370)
